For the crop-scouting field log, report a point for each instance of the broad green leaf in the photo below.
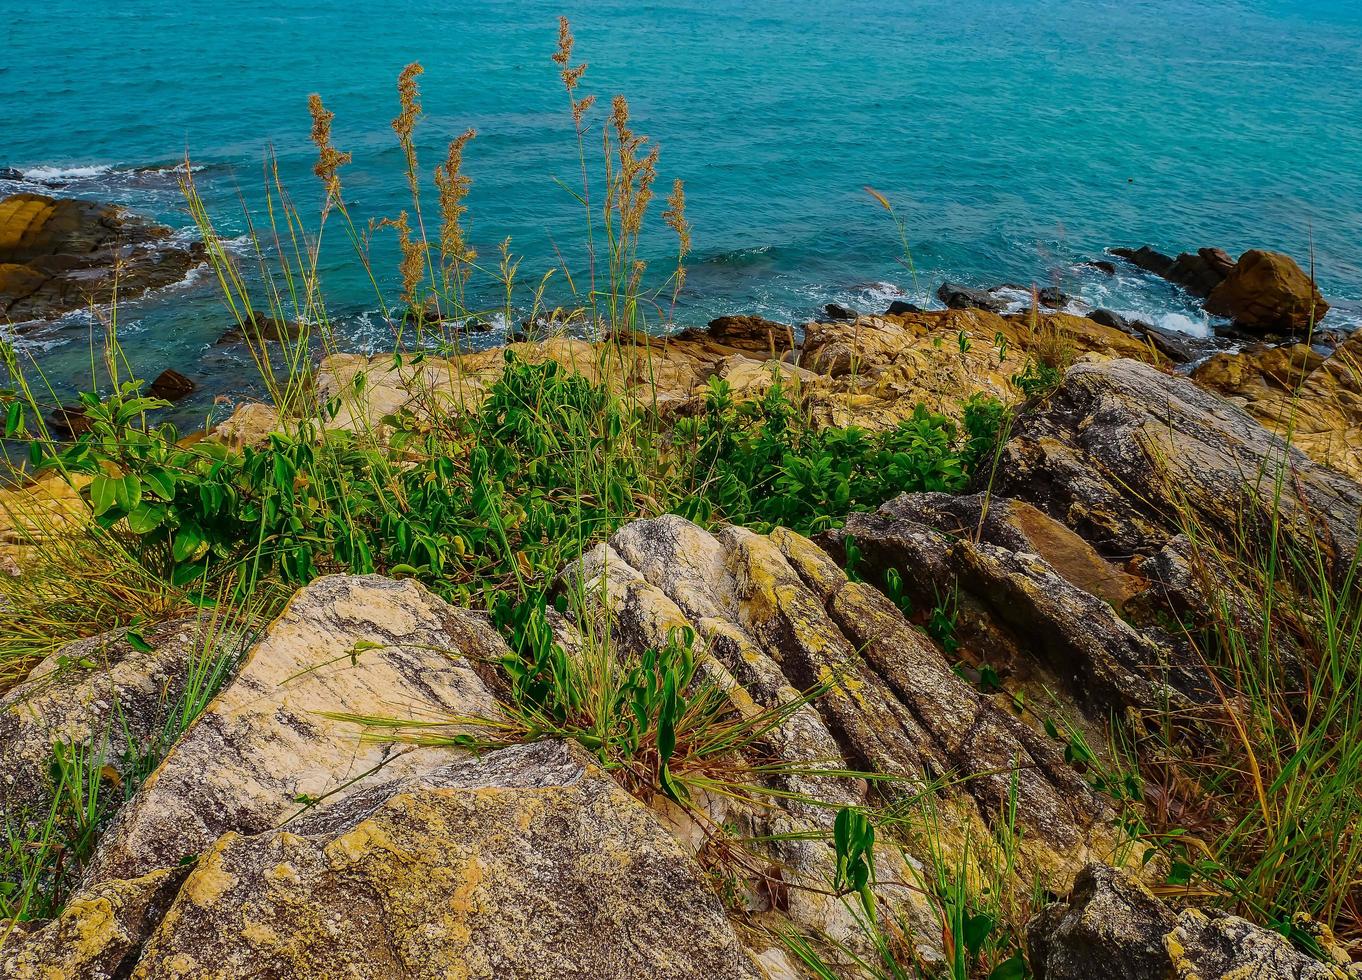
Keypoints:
(104, 493)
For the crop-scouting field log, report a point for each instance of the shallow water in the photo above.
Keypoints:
(1016, 138)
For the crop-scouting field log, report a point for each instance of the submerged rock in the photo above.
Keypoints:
(171, 385)
(1268, 291)
(59, 255)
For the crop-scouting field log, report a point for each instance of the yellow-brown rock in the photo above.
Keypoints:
(870, 372)
(98, 935)
(527, 862)
(1268, 291)
(1296, 390)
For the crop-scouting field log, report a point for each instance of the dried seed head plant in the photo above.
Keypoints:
(453, 187)
(570, 73)
(409, 102)
(329, 159)
(675, 217)
(412, 264)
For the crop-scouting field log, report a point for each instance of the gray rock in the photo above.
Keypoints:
(265, 745)
(959, 297)
(1120, 450)
(1111, 928)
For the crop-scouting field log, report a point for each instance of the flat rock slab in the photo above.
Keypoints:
(528, 862)
(361, 645)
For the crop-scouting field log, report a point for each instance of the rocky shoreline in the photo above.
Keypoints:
(273, 841)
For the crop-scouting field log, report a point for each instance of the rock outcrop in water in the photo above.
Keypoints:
(1261, 292)
(59, 255)
(1268, 291)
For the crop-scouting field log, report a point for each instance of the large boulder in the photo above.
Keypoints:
(529, 861)
(1268, 291)
(269, 745)
(775, 615)
(58, 255)
(1127, 455)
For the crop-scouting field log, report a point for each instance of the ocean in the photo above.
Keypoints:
(1016, 138)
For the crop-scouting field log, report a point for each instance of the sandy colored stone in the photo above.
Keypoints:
(101, 694)
(1294, 389)
(1267, 291)
(528, 862)
(97, 936)
(35, 511)
(265, 743)
(249, 425)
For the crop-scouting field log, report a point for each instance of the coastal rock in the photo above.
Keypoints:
(1110, 318)
(249, 425)
(1120, 450)
(1112, 928)
(871, 372)
(59, 255)
(958, 297)
(1268, 291)
(1213, 944)
(528, 861)
(257, 328)
(751, 334)
(264, 747)
(774, 614)
(1201, 271)
(1146, 258)
(900, 308)
(1031, 599)
(1198, 272)
(1294, 389)
(98, 935)
(105, 696)
(836, 311)
(171, 385)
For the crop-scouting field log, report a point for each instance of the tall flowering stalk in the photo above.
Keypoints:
(572, 77)
(456, 256)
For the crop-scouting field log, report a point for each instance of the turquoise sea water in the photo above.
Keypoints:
(1017, 137)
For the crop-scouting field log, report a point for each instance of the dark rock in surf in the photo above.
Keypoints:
(172, 386)
(59, 255)
(900, 308)
(836, 311)
(959, 297)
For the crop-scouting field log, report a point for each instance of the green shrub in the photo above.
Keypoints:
(761, 463)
